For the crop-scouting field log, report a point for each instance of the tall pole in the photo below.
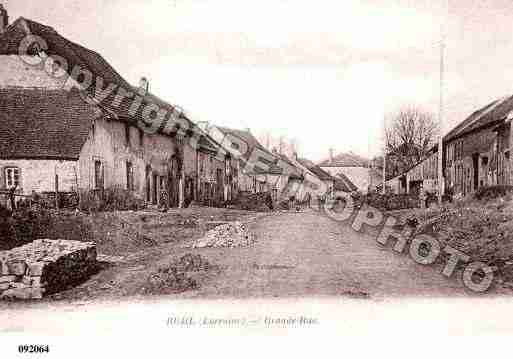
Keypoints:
(384, 171)
(384, 157)
(441, 186)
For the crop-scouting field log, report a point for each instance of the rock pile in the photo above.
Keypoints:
(234, 234)
(45, 267)
(174, 277)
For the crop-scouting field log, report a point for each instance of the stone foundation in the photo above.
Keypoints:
(44, 267)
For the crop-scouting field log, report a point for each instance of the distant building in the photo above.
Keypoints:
(355, 168)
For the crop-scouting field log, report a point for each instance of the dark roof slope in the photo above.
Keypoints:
(77, 55)
(316, 170)
(345, 160)
(36, 123)
(343, 183)
(253, 143)
(492, 113)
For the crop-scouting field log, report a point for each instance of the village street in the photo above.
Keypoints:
(308, 254)
(303, 254)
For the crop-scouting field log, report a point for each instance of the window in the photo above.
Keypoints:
(127, 134)
(98, 175)
(12, 177)
(129, 176)
(141, 137)
(485, 161)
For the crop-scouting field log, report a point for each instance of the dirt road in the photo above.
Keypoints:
(296, 254)
(309, 254)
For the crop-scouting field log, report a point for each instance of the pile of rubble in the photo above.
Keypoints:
(483, 230)
(174, 277)
(233, 234)
(45, 267)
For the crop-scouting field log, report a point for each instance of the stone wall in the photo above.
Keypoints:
(45, 267)
(39, 175)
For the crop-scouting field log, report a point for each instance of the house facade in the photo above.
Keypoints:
(62, 133)
(255, 169)
(476, 154)
(476, 151)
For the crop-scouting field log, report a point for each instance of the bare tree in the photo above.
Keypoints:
(409, 135)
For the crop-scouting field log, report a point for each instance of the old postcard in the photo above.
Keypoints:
(178, 174)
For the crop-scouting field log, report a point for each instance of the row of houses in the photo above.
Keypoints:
(69, 122)
(476, 153)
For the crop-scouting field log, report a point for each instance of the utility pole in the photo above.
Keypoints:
(384, 156)
(441, 186)
(384, 172)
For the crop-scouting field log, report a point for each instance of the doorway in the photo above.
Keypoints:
(155, 189)
(475, 169)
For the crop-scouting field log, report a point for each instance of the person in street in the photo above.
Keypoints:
(308, 199)
(164, 200)
(12, 200)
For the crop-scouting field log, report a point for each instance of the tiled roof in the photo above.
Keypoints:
(36, 123)
(345, 160)
(494, 112)
(87, 59)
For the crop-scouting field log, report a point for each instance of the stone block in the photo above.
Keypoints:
(17, 293)
(4, 268)
(45, 266)
(7, 278)
(19, 285)
(36, 268)
(17, 267)
(36, 281)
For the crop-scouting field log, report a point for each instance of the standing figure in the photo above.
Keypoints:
(308, 199)
(164, 200)
(12, 201)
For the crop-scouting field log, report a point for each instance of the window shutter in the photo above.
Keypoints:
(2, 177)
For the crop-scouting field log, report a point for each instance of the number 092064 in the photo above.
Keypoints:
(33, 349)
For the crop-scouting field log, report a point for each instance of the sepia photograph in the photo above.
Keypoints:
(191, 171)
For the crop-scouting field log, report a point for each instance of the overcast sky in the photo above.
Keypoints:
(322, 72)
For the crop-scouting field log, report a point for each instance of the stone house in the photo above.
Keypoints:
(476, 154)
(477, 150)
(72, 122)
(317, 182)
(41, 137)
(255, 168)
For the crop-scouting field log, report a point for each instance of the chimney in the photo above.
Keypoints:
(4, 19)
(275, 151)
(331, 155)
(144, 86)
(247, 129)
(295, 155)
